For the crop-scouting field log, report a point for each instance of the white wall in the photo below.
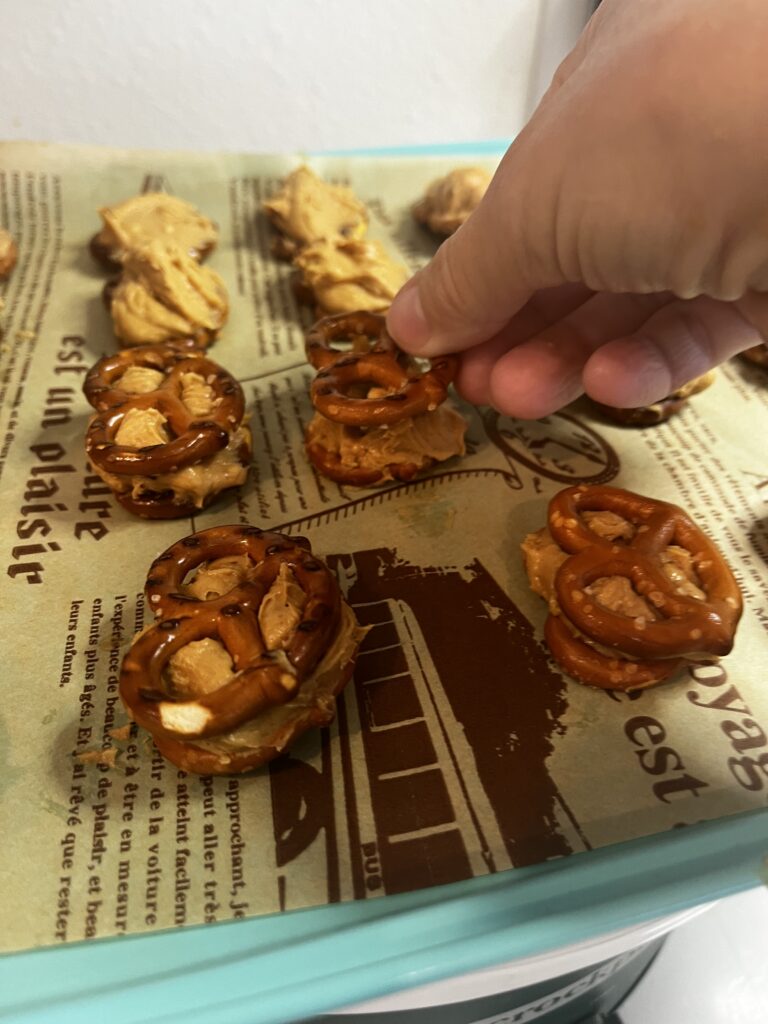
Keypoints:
(285, 75)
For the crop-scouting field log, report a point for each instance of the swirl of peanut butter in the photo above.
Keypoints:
(163, 294)
(420, 440)
(307, 208)
(449, 201)
(133, 224)
(346, 276)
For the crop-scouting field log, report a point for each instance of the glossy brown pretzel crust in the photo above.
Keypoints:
(359, 333)
(195, 439)
(263, 679)
(647, 650)
(375, 360)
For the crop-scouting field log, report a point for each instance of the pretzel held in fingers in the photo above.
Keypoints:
(636, 589)
(405, 392)
(162, 410)
(379, 417)
(352, 334)
(273, 613)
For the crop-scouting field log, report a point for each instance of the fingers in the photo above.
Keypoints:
(544, 309)
(681, 341)
(469, 291)
(533, 376)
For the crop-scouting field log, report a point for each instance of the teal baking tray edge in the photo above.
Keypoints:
(295, 965)
(491, 147)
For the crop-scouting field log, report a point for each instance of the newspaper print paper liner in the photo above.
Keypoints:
(459, 749)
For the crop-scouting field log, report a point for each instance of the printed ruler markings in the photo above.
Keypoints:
(359, 504)
(423, 833)
(377, 650)
(408, 772)
(353, 821)
(332, 871)
(273, 373)
(389, 726)
(571, 817)
(485, 846)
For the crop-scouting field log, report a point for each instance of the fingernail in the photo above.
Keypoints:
(406, 321)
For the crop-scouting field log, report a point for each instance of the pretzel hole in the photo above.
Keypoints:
(607, 525)
(213, 579)
(281, 610)
(198, 668)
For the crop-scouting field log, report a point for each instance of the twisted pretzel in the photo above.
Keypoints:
(262, 679)
(356, 333)
(329, 463)
(686, 627)
(195, 439)
(409, 391)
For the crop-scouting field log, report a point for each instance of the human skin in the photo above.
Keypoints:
(622, 247)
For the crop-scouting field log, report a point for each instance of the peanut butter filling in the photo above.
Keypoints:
(199, 668)
(346, 276)
(276, 727)
(217, 577)
(163, 294)
(419, 440)
(307, 208)
(543, 557)
(134, 224)
(203, 666)
(449, 201)
(140, 380)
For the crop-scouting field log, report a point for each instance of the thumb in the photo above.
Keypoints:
(464, 295)
(480, 276)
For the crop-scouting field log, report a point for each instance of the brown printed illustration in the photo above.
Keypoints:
(459, 749)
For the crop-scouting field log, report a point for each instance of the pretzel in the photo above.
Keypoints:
(645, 415)
(597, 669)
(195, 439)
(408, 392)
(686, 627)
(330, 465)
(360, 332)
(263, 679)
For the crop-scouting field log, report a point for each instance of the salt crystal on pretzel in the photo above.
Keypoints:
(635, 588)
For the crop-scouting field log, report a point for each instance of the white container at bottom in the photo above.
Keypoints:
(562, 986)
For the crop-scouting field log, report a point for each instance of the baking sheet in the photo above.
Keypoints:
(459, 750)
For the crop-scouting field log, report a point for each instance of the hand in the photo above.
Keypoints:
(622, 247)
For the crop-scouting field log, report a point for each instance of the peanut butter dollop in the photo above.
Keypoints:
(307, 208)
(419, 441)
(163, 294)
(349, 276)
(543, 557)
(132, 225)
(449, 201)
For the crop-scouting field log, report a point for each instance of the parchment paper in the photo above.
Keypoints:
(459, 749)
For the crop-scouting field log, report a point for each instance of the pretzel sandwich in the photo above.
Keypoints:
(635, 589)
(252, 644)
(379, 416)
(170, 432)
